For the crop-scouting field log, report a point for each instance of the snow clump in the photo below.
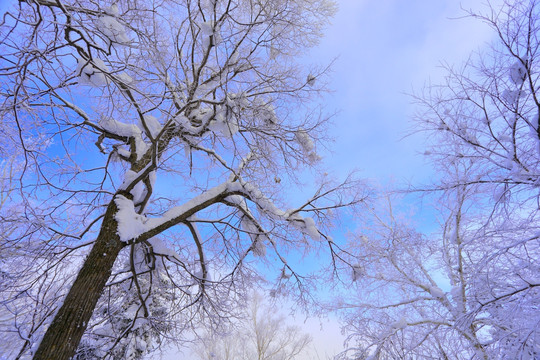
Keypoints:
(436, 292)
(92, 72)
(512, 96)
(138, 190)
(159, 247)
(400, 324)
(153, 125)
(306, 225)
(111, 27)
(257, 237)
(357, 272)
(267, 114)
(125, 78)
(210, 32)
(128, 130)
(228, 127)
(518, 73)
(306, 143)
(119, 128)
(130, 224)
(285, 273)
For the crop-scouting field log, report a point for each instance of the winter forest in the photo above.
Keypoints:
(166, 187)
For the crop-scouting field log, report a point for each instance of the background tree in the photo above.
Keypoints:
(472, 290)
(415, 293)
(133, 119)
(261, 335)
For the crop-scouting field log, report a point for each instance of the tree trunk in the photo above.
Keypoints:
(63, 336)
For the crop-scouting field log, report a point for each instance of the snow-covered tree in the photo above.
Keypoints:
(184, 119)
(263, 334)
(413, 294)
(471, 290)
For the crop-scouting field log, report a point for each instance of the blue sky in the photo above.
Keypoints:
(385, 49)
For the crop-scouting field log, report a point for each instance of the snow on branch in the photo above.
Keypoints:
(93, 72)
(130, 131)
(133, 226)
(113, 29)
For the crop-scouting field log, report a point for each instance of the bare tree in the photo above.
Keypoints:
(262, 335)
(470, 291)
(133, 119)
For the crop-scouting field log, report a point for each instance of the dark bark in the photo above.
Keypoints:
(63, 336)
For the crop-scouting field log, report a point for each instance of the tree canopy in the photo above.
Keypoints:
(149, 146)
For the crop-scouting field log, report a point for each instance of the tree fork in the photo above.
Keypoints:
(63, 336)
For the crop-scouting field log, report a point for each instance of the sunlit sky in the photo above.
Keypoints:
(385, 50)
